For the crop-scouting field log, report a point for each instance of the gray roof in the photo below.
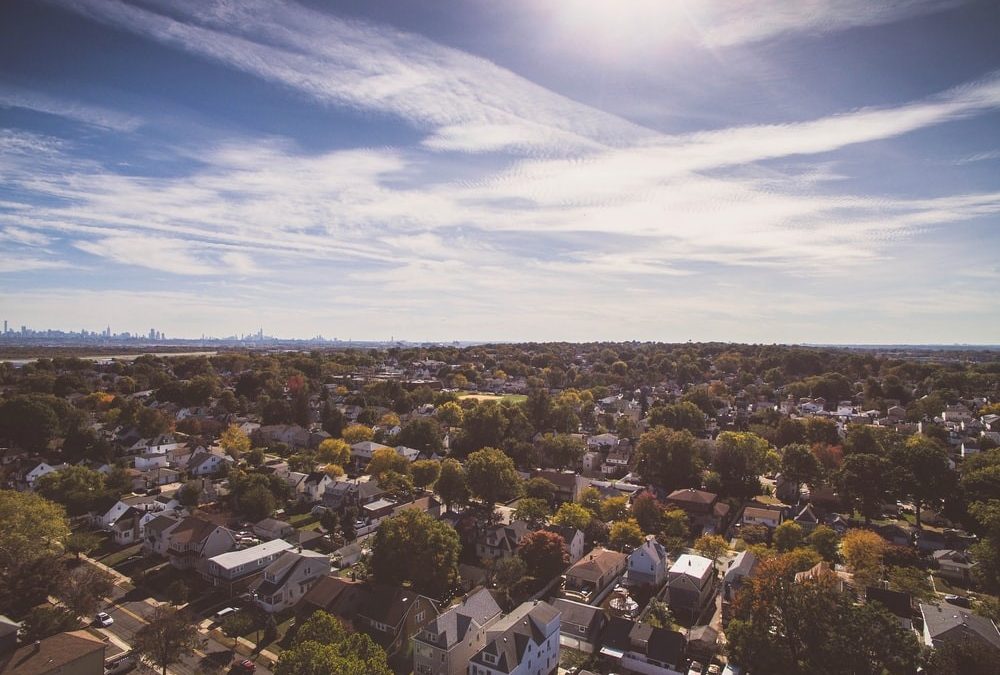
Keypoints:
(577, 613)
(509, 638)
(248, 555)
(949, 622)
(450, 628)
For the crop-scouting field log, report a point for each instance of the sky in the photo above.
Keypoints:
(823, 171)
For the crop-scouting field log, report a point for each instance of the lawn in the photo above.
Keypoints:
(121, 555)
(512, 398)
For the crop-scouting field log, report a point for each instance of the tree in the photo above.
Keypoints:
(563, 450)
(257, 503)
(75, 487)
(177, 592)
(415, 547)
(711, 546)
(647, 512)
(541, 488)
(450, 414)
(614, 508)
(492, 476)
(863, 551)
(571, 514)
(190, 494)
(28, 422)
(168, 636)
(237, 624)
(739, 459)
(334, 451)
(507, 573)
(80, 543)
(356, 433)
(825, 540)
(590, 498)
(625, 534)
(969, 657)
(32, 532)
(679, 416)
(425, 472)
(787, 536)
(668, 458)
(799, 465)
(423, 434)
(234, 441)
(452, 485)
(83, 589)
(674, 523)
(922, 472)
(912, 580)
(863, 481)
(385, 460)
(323, 646)
(534, 511)
(45, 620)
(659, 615)
(755, 534)
(544, 554)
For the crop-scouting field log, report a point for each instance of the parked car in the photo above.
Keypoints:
(103, 619)
(958, 600)
(695, 668)
(122, 663)
(714, 669)
(243, 666)
(223, 613)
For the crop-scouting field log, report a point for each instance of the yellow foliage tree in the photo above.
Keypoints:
(234, 441)
(356, 433)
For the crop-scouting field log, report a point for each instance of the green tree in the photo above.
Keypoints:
(425, 472)
(614, 508)
(235, 625)
(177, 592)
(544, 554)
(385, 460)
(659, 615)
(415, 547)
(531, 510)
(492, 476)
(571, 514)
(83, 589)
(711, 546)
(167, 636)
(450, 414)
(422, 433)
(787, 536)
(28, 422)
(625, 534)
(825, 540)
(799, 464)
(356, 433)
(334, 451)
(863, 481)
(32, 532)
(323, 628)
(563, 450)
(507, 573)
(44, 620)
(668, 458)
(257, 503)
(80, 542)
(648, 512)
(75, 487)
(674, 523)
(452, 485)
(739, 460)
(190, 494)
(541, 488)
(922, 472)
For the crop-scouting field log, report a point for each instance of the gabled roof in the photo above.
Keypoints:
(666, 646)
(192, 530)
(475, 611)
(741, 566)
(578, 613)
(949, 622)
(233, 559)
(900, 604)
(52, 654)
(510, 638)
(692, 496)
(596, 564)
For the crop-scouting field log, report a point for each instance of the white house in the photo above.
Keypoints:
(207, 463)
(574, 538)
(691, 584)
(42, 469)
(287, 579)
(758, 515)
(647, 564)
(226, 569)
(525, 642)
(151, 460)
(315, 485)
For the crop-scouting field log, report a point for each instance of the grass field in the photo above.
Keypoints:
(513, 398)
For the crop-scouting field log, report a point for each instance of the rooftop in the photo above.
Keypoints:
(693, 565)
(234, 559)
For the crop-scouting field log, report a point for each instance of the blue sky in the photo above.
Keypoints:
(818, 171)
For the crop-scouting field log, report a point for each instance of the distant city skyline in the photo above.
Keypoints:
(533, 170)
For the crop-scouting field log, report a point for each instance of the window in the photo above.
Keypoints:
(420, 616)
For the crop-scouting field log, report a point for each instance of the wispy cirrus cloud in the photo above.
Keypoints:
(98, 116)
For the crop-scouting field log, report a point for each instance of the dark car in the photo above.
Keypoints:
(958, 600)
(244, 666)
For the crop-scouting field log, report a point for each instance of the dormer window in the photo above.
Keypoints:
(490, 658)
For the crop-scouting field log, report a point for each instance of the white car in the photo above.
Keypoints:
(695, 668)
(104, 619)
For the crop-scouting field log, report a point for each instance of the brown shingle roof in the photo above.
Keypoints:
(596, 564)
(52, 654)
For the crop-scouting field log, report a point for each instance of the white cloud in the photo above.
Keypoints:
(98, 116)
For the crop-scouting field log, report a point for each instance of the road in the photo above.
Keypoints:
(129, 611)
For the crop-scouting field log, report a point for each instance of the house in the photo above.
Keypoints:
(647, 564)
(410, 454)
(315, 485)
(950, 623)
(602, 442)
(291, 435)
(525, 642)
(205, 463)
(807, 518)
(640, 648)
(288, 579)
(616, 463)
(345, 556)
(390, 615)
(704, 510)
(428, 504)
(8, 634)
(195, 539)
(702, 642)
(272, 528)
(591, 461)
(75, 652)
(127, 529)
(31, 476)
(352, 493)
(150, 460)
(501, 541)
(762, 515)
(580, 626)
(954, 565)
(361, 453)
(228, 570)
(591, 576)
(574, 539)
(446, 644)
(842, 580)
(898, 604)
(740, 567)
(690, 585)
(568, 484)
(929, 541)
(156, 533)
